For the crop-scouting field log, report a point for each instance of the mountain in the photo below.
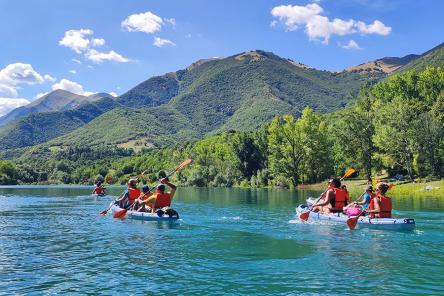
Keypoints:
(238, 92)
(433, 57)
(57, 100)
(38, 128)
(385, 65)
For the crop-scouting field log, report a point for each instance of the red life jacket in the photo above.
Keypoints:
(341, 199)
(162, 200)
(134, 194)
(385, 207)
(98, 190)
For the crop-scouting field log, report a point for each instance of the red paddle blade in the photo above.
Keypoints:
(304, 216)
(120, 214)
(352, 222)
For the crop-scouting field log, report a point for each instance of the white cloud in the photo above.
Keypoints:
(351, 45)
(71, 86)
(9, 104)
(10, 78)
(48, 77)
(98, 57)
(77, 40)
(113, 94)
(81, 42)
(76, 61)
(18, 73)
(73, 71)
(319, 27)
(171, 21)
(162, 42)
(146, 22)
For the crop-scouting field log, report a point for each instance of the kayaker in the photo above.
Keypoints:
(356, 207)
(140, 204)
(99, 189)
(380, 206)
(161, 199)
(130, 195)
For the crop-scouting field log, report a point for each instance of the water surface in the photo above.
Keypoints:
(228, 242)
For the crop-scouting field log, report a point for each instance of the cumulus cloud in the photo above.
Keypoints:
(351, 45)
(77, 40)
(146, 22)
(319, 27)
(48, 77)
(171, 21)
(82, 42)
(113, 94)
(99, 57)
(9, 104)
(71, 86)
(162, 42)
(10, 79)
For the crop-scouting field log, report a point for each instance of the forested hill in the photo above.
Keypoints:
(239, 92)
(433, 57)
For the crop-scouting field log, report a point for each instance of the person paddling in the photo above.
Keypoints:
(99, 189)
(128, 198)
(357, 207)
(161, 199)
(140, 203)
(380, 206)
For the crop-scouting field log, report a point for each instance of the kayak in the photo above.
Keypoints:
(145, 216)
(374, 223)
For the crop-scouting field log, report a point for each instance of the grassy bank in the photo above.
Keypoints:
(417, 189)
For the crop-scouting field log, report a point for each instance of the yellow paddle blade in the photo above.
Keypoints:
(349, 172)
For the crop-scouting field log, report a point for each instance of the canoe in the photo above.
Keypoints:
(375, 223)
(144, 216)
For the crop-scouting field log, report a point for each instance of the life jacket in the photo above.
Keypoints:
(98, 190)
(341, 199)
(162, 200)
(134, 194)
(385, 207)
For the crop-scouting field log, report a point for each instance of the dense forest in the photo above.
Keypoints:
(395, 127)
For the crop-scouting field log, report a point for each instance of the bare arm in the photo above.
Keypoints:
(171, 185)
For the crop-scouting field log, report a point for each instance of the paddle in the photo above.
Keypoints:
(305, 215)
(122, 213)
(353, 221)
(103, 213)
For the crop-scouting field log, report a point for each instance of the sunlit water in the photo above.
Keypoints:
(228, 242)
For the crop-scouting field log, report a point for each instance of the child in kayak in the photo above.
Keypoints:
(99, 189)
(355, 208)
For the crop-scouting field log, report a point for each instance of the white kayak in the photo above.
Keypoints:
(375, 223)
(145, 216)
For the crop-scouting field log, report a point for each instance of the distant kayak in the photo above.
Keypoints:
(145, 216)
(375, 223)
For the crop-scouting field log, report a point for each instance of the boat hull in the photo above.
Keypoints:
(144, 216)
(375, 223)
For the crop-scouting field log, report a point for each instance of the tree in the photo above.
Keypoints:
(285, 148)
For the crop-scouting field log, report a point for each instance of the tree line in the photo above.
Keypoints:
(395, 126)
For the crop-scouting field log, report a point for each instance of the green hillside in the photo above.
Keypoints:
(239, 92)
(433, 57)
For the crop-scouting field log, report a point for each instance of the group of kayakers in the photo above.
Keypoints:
(142, 200)
(336, 200)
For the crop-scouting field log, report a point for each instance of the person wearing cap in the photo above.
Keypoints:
(128, 198)
(161, 199)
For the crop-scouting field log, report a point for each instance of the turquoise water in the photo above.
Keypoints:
(229, 242)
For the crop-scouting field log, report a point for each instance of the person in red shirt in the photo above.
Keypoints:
(161, 199)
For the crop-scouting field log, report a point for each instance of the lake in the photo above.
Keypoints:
(228, 242)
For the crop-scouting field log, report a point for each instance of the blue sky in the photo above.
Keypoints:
(109, 45)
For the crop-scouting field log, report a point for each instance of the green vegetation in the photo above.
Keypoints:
(433, 57)
(241, 92)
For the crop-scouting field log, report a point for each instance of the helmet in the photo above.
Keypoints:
(145, 188)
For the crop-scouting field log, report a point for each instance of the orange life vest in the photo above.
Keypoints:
(385, 207)
(99, 190)
(162, 200)
(134, 194)
(341, 199)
